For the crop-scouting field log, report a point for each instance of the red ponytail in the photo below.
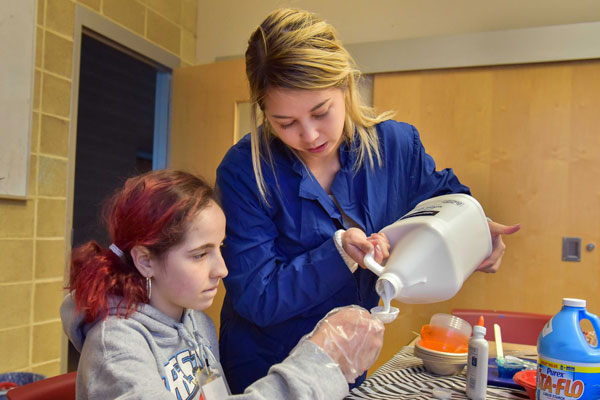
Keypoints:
(151, 210)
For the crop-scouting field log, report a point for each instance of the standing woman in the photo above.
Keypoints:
(307, 191)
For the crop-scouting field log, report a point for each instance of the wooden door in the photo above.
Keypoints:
(525, 138)
(205, 99)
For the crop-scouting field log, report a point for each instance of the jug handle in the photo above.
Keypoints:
(585, 314)
(373, 265)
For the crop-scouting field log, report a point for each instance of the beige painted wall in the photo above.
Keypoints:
(226, 24)
(33, 232)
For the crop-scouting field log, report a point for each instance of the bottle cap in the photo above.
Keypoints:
(569, 302)
(481, 321)
(441, 393)
(479, 329)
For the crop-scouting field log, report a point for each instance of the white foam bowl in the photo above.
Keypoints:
(439, 354)
(443, 368)
(439, 362)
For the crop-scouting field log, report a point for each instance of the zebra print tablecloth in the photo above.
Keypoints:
(404, 377)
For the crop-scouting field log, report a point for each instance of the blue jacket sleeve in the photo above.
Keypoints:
(425, 180)
(265, 285)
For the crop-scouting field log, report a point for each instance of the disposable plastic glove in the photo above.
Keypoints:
(351, 337)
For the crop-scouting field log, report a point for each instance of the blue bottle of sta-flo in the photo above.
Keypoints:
(568, 366)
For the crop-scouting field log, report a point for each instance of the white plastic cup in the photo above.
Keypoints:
(451, 322)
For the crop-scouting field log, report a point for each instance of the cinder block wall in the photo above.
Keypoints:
(33, 232)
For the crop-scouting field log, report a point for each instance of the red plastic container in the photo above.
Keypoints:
(527, 379)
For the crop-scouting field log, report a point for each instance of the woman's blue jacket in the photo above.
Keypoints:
(285, 273)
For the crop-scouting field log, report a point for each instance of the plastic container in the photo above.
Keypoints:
(446, 333)
(384, 316)
(507, 369)
(568, 366)
(527, 379)
(435, 248)
(451, 322)
(443, 339)
(477, 364)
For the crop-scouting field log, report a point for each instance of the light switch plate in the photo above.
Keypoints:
(571, 249)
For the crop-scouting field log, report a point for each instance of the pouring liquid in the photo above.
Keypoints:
(386, 313)
(386, 296)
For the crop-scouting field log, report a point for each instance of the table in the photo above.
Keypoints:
(405, 377)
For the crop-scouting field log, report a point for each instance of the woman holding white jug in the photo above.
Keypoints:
(307, 192)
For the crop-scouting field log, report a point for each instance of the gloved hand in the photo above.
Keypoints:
(351, 337)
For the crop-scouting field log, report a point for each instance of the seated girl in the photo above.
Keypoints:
(135, 309)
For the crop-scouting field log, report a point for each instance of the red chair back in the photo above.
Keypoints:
(60, 387)
(516, 327)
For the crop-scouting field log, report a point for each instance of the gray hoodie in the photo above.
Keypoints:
(152, 356)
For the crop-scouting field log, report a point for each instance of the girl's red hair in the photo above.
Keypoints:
(151, 210)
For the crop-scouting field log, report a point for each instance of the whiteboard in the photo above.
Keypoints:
(17, 46)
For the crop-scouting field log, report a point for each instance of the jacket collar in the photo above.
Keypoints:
(310, 188)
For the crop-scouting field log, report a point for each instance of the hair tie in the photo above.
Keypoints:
(113, 247)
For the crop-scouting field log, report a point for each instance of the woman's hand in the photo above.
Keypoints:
(492, 263)
(356, 244)
(351, 337)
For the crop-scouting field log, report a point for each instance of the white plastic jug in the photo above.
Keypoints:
(434, 249)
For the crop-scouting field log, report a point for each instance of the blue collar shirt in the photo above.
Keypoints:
(285, 272)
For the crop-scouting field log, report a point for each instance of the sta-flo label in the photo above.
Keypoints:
(562, 380)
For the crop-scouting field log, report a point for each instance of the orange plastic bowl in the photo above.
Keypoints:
(527, 379)
(444, 339)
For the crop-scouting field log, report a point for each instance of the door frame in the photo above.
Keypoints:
(95, 25)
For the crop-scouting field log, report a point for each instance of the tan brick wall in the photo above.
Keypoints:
(32, 232)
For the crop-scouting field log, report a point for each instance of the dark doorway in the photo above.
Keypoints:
(115, 134)
(115, 130)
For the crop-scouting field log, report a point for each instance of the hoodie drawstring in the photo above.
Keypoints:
(201, 345)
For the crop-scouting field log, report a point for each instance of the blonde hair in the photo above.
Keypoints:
(295, 49)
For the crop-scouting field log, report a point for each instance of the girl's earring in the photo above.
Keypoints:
(149, 287)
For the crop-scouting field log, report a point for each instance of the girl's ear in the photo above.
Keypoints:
(141, 259)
